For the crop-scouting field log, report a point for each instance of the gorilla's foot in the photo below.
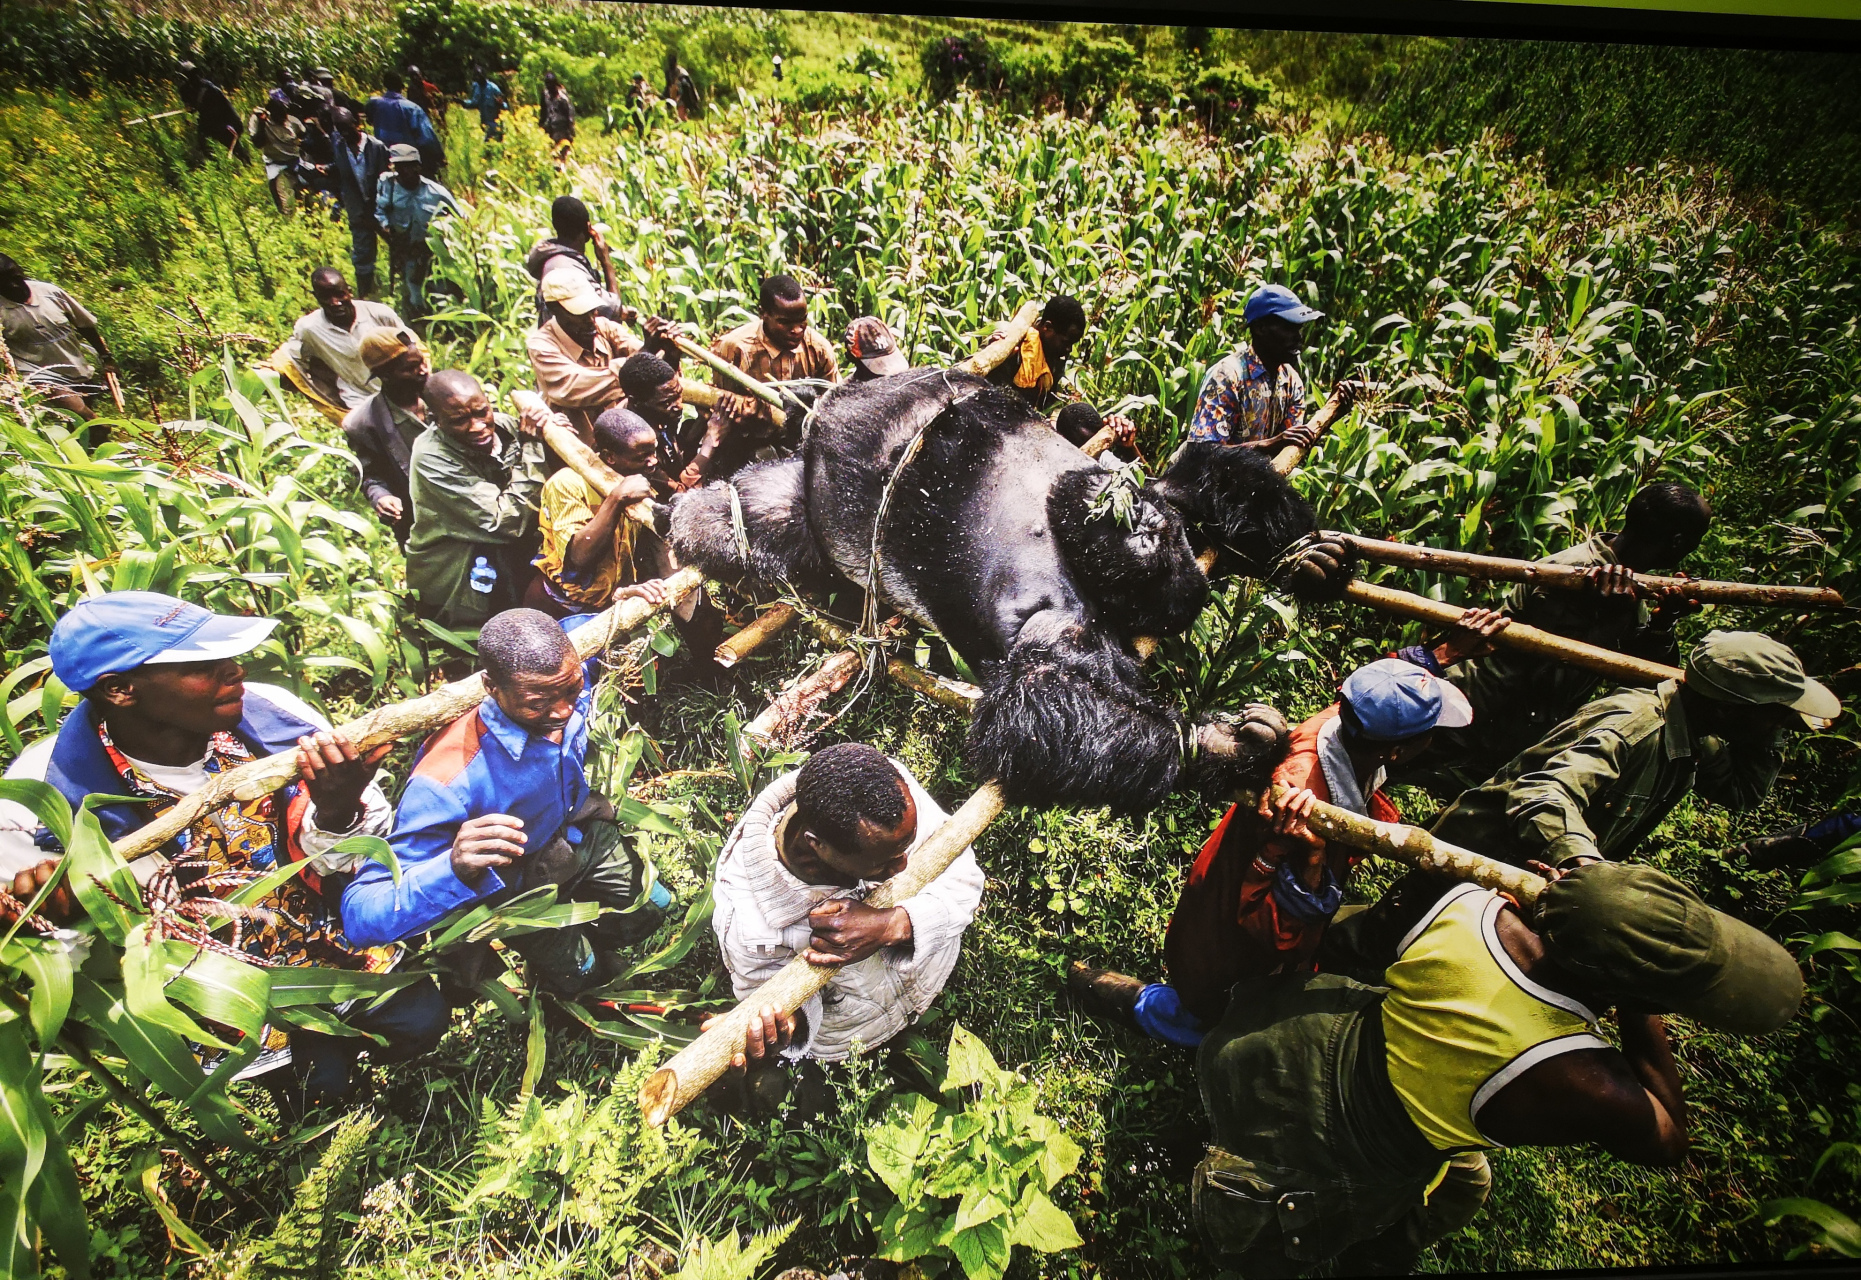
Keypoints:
(1238, 751)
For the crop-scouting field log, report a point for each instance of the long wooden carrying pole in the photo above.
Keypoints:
(1287, 460)
(693, 1068)
(774, 620)
(989, 359)
(762, 391)
(1566, 577)
(391, 723)
(1617, 666)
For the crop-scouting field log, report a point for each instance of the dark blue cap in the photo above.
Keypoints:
(1278, 300)
(119, 632)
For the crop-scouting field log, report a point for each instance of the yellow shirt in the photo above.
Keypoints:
(1462, 1021)
(567, 505)
(1034, 373)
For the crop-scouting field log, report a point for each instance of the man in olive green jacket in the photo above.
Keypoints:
(1606, 777)
(475, 481)
(1519, 697)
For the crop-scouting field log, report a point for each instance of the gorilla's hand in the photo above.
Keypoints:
(1235, 751)
(1319, 570)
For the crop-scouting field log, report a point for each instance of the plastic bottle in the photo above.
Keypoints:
(484, 577)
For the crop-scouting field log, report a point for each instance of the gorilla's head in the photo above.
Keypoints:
(1235, 502)
(1128, 551)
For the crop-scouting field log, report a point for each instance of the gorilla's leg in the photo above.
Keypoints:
(1069, 720)
(1240, 505)
(774, 544)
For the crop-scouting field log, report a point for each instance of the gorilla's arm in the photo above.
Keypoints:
(777, 544)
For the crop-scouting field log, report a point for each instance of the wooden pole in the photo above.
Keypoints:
(116, 393)
(387, 724)
(693, 1069)
(1566, 577)
(792, 707)
(1287, 460)
(762, 391)
(1617, 666)
(699, 395)
(1414, 846)
(770, 623)
(958, 695)
(989, 359)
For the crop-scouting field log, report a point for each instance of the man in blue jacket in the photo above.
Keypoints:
(165, 707)
(399, 119)
(498, 804)
(355, 172)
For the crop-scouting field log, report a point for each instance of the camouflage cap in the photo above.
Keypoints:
(383, 346)
(1648, 942)
(1754, 670)
(869, 340)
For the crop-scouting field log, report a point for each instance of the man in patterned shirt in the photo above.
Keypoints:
(1254, 397)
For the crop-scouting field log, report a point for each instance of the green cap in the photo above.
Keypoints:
(1754, 670)
(1649, 942)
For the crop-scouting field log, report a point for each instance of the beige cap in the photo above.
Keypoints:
(572, 291)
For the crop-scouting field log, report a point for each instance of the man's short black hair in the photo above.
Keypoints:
(522, 642)
(1064, 312)
(617, 428)
(1078, 422)
(643, 373)
(393, 82)
(7, 263)
(779, 291)
(325, 277)
(569, 216)
(844, 784)
(450, 384)
(1669, 509)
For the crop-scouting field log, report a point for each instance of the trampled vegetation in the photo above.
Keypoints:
(1544, 349)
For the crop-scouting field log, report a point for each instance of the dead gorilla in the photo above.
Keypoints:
(997, 536)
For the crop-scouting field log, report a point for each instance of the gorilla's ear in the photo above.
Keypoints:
(1233, 499)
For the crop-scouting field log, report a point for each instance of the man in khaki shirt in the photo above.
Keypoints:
(43, 324)
(777, 346)
(576, 354)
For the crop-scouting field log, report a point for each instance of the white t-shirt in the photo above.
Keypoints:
(17, 823)
(341, 349)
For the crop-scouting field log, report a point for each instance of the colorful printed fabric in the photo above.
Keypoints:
(1240, 401)
(247, 836)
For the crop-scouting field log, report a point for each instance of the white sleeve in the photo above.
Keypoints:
(946, 907)
(755, 952)
(17, 822)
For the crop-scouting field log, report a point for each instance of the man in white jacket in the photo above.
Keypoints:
(791, 881)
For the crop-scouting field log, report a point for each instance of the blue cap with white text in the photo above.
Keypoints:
(123, 630)
(1392, 700)
(1278, 300)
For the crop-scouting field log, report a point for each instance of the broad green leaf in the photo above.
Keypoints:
(93, 865)
(1043, 1225)
(970, 1061)
(1839, 1232)
(536, 1046)
(47, 961)
(311, 984)
(218, 987)
(621, 1035)
(908, 1233)
(145, 989)
(47, 803)
(982, 1250)
(1059, 1154)
(502, 997)
(893, 1148)
(40, 1185)
(256, 891)
(163, 1057)
(375, 849)
(979, 1204)
(316, 1018)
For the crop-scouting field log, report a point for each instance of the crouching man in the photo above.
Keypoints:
(165, 707)
(1350, 1122)
(790, 881)
(1265, 887)
(499, 804)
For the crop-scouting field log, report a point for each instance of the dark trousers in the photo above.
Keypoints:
(412, 1021)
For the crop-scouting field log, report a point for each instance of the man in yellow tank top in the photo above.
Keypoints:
(1349, 1120)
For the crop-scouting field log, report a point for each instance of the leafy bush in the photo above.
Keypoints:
(949, 62)
(972, 1174)
(814, 88)
(1227, 93)
(593, 83)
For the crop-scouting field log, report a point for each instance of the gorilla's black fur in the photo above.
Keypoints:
(1000, 535)
(1237, 503)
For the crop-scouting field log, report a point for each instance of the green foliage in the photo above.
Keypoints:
(593, 83)
(730, 1259)
(1228, 92)
(972, 1174)
(836, 88)
(305, 1240)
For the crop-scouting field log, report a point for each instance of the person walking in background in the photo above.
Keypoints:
(358, 161)
(216, 122)
(382, 429)
(556, 114)
(423, 93)
(574, 234)
(489, 101)
(1254, 396)
(329, 339)
(406, 202)
(681, 89)
(279, 136)
(638, 96)
(42, 323)
(396, 120)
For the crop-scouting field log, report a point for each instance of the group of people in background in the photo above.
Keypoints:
(1356, 1062)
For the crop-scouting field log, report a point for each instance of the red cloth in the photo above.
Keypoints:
(1228, 926)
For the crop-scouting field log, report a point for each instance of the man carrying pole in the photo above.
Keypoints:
(1518, 697)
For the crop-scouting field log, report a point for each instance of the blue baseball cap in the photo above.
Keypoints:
(1278, 300)
(1392, 700)
(119, 632)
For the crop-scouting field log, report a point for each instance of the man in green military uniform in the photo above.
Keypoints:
(1518, 697)
(475, 479)
(1350, 1121)
(1607, 776)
